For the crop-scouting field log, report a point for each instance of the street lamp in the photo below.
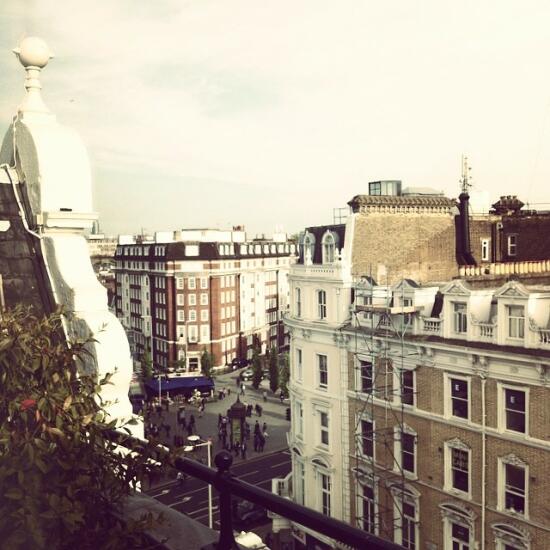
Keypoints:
(160, 394)
(194, 443)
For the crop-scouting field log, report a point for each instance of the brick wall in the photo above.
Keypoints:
(417, 246)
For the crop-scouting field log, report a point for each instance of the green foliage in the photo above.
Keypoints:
(62, 482)
(273, 358)
(284, 373)
(256, 368)
(207, 362)
(146, 367)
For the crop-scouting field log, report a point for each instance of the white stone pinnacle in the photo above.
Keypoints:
(33, 53)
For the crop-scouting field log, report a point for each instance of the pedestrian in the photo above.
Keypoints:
(181, 479)
(243, 450)
(256, 442)
(238, 380)
(257, 428)
(243, 388)
(247, 430)
(264, 427)
(220, 420)
(236, 448)
(264, 394)
(261, 443)
(201, 409)
(282, 397)
(265, 434)
(228, 392)
(257, 409)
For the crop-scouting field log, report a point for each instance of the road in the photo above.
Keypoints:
(192, 498)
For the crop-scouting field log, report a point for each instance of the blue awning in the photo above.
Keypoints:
(202, 383)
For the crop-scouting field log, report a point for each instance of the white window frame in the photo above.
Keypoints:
(410, 498)
(361, 439)
(454, 513)
(299, 474)
(398, 464)
(299, 364)
(448, 396)
(366, 479)
(204, 282)
(322, 385)
(323, 475)
(458, 445)
(180, 299)
(192, 315)
(515, 324)
(512, 244)
(511, 536)
(329, 248)
(324, 428)
(192, 333)
(204, 315)
(514, 461)
(181, 316)
(299, 418)
(485, 250)
(412, 372)
(363, 367)
(460, 318)
(501, 405)
(204, 299)
(321, 304)
(298, 301)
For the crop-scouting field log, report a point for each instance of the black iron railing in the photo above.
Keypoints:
(227, 485)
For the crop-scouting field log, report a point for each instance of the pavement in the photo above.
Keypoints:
(274, 414)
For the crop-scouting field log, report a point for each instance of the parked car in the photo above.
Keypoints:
(247, 374)
(239, 363)
(247, 514)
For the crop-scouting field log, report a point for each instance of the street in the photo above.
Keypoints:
(192, 498)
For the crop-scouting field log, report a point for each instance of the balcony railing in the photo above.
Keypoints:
(431, 325)
(227, 486)
(505, 268)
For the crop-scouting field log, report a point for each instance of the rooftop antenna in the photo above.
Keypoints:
(466, 179)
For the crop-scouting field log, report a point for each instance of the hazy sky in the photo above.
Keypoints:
(272, 113)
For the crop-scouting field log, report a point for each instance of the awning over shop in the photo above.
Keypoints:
(183, 384)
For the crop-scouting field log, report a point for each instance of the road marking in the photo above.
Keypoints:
(158, 487)
(249, 473)
(183, 501)
(285, 463)
(200, 510)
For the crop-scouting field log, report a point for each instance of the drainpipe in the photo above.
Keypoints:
(483, 457)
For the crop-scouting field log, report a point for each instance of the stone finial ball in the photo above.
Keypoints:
(33, 52)
(223, 460)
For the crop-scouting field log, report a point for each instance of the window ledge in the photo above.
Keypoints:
(458, 493)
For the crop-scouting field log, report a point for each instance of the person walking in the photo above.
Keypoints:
(243, 388)
(261, 441)
(256, 442)
(181, 479)
(257, 428)
(264, 395)
(264, 427)
(220, 417)
(243, 450)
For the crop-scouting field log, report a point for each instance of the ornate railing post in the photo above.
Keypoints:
(223, 462)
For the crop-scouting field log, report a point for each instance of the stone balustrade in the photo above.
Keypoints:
(431, 325)
(505, 268)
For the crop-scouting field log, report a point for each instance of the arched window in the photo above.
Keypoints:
(308, 248)
(324, 487)
(367, 502)
(407, 516)
(329, 246)
(458, 527)
(508, 537)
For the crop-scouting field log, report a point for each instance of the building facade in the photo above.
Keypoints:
(424, 382)
(199, 290)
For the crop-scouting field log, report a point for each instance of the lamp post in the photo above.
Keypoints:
(160, 394)
(194, 443)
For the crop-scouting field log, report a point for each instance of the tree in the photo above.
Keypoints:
(207, 362)
(273, 358)
(62, 480)
(284, 373)
(257, 372)
(146, 367)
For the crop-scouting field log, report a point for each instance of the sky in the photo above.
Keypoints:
(269, 114)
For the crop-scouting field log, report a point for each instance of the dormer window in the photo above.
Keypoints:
(328, 248)
(309, 247)
(516, 322)
(512, 245)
